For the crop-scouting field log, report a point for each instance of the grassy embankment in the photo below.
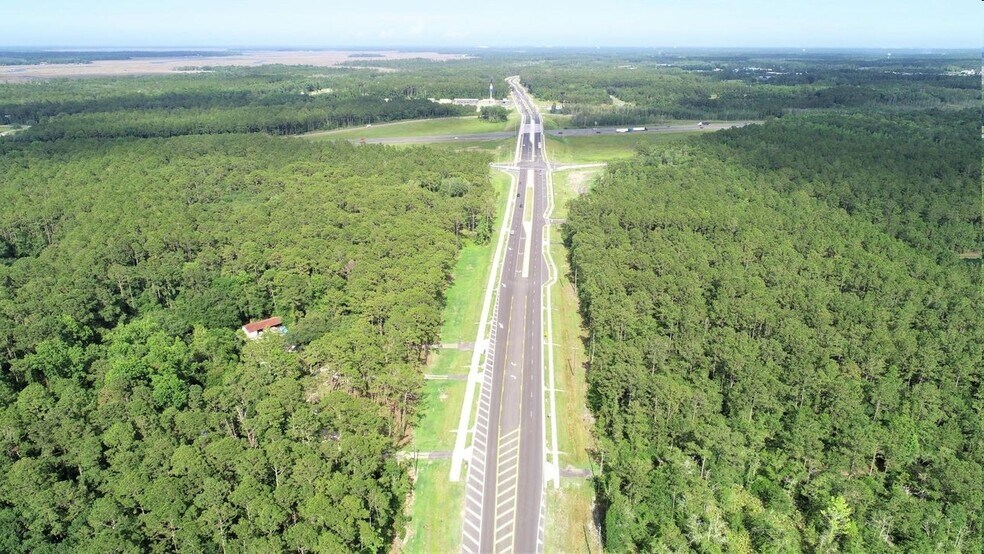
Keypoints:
(604, 148)
(435, 523)
(555, 121)
(466, 128)
(502, 151)
(465, 125)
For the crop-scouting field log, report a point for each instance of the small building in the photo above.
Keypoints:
(254, 329)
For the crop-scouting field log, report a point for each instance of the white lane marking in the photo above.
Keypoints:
(501, 475)
(470, 538)
(508, 451)
(511, 520)
(500, 528)
(508, 491)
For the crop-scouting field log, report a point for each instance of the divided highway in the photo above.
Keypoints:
(504, 500)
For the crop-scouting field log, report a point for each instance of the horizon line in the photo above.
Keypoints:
(410, 48)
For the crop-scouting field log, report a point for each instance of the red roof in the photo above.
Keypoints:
(254, 326)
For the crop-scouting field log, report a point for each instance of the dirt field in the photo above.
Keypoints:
(157, 66)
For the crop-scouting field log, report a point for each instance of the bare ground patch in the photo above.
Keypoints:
(580, 180)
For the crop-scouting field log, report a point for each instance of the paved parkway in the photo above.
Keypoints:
(504, 501)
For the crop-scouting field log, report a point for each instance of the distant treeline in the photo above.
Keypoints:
(32, 57)
(284, 119)
(649, 90)
(274, 100)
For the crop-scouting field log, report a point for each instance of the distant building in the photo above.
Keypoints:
(254, 329)
(479, 103)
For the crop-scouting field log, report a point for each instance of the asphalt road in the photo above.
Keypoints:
(474, 137)
(504, 510)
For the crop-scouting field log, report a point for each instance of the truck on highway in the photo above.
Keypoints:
(622, 130)
(638, 128)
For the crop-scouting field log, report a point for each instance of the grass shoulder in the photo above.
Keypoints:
(435, 522)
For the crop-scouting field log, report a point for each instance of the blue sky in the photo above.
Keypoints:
(663, 23)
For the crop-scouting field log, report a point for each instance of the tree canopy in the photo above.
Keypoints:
(778, 362)
(134, 418)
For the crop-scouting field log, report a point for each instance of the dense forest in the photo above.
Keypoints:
(653, 88)
(275, 100)
(133, 415)
(785, 348)
(917, 176)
